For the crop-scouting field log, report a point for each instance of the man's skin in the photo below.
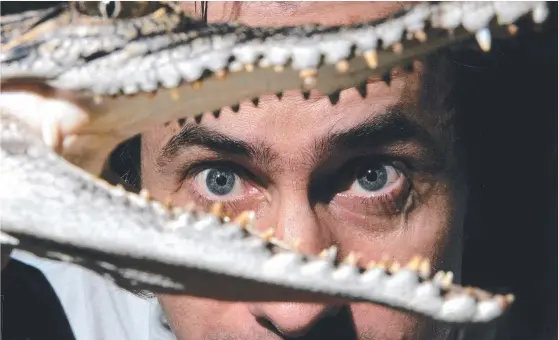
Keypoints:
(376, 176)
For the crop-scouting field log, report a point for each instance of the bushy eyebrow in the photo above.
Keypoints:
(394, 126)
(193, 134)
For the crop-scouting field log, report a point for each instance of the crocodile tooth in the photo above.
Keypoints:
(342, 66)
(427, 298)
(196, 85)
(216, 113)
(316, 267)
(365, 39)
(345, 272)
(362, 89)
(278, 54)
(217, 209)
(208, 221)
(334, 97)
(331, 253)
(282, 263)
(391, 31)
(512, 29)
(458, 308)
(305, 57)
(246, 54)
(386, 77)
(190, 70)
(374, 277)
(477, 15)
(425, 268)
(309, 77)
(144, 193)
(483, 38)
(540, 12)
(245, 218)
(371, 58)
(279, 68)
(198, 118)
(402, 284)
(335, 50)
(235, 108)
(268, 234)
(398, 48)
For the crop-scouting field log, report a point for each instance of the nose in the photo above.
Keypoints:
(291, 319)
(296, 220)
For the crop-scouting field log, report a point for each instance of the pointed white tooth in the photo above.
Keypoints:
(316, 268)
(390, 32)
(345, 272)
(401, 284)
(168, 76)
(483, 38)
(509, 12)
(190, 70)
(207, 222)
(460, 308)
(216, 60)
(335, 50)
(282, 263)
(374, 278)
(416, 18)
(427, 298)
(540, 12)
(447, 15)
(306, 56)
(230, 231)
(246, 54)
(477, 15)
(488, 310)
(365, 39)
(183, 221)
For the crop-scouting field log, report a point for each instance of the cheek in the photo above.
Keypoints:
(197, 318)
(425, 230)
(377, 322)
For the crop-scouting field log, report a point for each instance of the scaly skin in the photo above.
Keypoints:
(75, 85)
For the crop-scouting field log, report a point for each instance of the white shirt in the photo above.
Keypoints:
(98, 309)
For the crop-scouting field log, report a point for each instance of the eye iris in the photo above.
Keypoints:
(220, 182)
(372, 178)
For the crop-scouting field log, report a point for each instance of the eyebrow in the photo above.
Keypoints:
(193, 134)
(394, 126)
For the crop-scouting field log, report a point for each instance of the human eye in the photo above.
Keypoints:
(208, 181)
(219, 183)
(376, 187)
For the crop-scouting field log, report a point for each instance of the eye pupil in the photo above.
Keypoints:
(372, 178)
(220, 182)
(109, 9)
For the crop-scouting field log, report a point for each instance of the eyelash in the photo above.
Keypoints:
(389, 201)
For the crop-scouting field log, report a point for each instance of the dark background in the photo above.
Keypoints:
(510, 96)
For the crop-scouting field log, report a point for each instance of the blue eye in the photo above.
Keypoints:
(372, 178)
(220, 182)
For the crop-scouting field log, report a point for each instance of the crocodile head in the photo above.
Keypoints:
(82, 78)
(98, 72)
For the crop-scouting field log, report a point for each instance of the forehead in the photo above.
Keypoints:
(286, 13)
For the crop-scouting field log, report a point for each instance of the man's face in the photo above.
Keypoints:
(373, 175)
